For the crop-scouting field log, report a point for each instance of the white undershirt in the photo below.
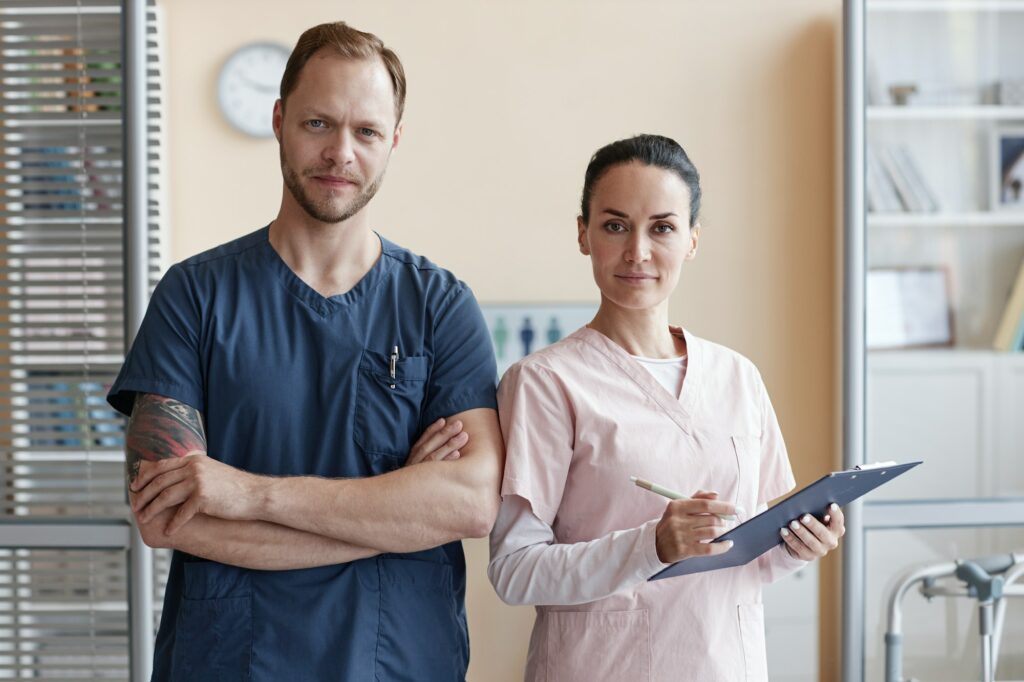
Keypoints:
(669, 371)
(528, 566)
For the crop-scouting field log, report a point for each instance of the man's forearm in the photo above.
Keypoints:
(403, 511)
(413, 508)
(251, 544)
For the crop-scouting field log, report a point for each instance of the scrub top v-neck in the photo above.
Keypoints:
(290, 382)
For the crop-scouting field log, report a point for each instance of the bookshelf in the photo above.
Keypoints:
(933, 90)
(916, 114)
(970, 6)
(943, 87)
(977, 219)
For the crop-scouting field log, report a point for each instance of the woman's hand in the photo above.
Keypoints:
(687, 526)
(441, 440)
(810, 539)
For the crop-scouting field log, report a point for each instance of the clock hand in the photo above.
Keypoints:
(261, 87)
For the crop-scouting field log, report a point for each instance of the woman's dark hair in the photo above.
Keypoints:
(650, 150)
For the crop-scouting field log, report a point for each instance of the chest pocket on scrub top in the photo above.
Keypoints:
(388, 409)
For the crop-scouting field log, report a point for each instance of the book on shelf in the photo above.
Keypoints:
(1010, 332)
(894, 182)
(880, 191)
(923, 196)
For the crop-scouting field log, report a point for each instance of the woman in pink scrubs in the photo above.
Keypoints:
(632, 395)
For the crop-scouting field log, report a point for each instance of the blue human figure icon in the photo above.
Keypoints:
(500, 336)
(526, 336)
(554, 331)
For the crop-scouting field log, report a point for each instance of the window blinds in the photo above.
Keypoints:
(63, 612)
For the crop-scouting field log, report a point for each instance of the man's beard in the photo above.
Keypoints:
(325, 210)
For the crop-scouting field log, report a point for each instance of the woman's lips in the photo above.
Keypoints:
(636, 277)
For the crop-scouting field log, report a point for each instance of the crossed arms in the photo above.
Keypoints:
(188, 501)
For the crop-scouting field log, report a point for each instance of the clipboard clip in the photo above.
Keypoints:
(876, 465)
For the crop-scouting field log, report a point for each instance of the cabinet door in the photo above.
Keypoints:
(935, 406)
(1008, 474)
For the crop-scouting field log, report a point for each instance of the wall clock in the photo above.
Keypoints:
(248, 85)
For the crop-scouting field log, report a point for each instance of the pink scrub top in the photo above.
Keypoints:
(579, 418)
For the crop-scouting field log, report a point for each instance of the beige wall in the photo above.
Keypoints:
(506, 103)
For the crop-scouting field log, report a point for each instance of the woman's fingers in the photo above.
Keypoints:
(837, 520)
(702, 505)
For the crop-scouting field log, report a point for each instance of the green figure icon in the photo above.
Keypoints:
(500, 335)
(554, 331)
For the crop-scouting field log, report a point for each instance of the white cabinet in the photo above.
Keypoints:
(962, 412)
(932, 81)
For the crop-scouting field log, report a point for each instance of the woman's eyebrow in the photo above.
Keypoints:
(618, 214)
(662, 216)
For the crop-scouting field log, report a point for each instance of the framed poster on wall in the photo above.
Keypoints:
(518, 329)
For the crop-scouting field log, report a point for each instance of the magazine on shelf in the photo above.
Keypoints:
(1010, 332)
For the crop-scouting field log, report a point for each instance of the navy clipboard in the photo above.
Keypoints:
(757, 535)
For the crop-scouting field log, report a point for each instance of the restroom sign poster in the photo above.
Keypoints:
(520, 329)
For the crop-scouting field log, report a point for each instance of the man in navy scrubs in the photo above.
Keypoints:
(313, 424)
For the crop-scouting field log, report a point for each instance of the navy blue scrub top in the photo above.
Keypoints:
(292, 383)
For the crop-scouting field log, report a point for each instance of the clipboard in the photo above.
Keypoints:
(758, 534)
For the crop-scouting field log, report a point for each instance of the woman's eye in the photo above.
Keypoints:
(368, 132)
(615, 227)
(664, 228)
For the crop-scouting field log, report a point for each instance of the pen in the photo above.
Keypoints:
(673, 495)
(393, 365)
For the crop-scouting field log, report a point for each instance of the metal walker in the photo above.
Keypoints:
(989, 580)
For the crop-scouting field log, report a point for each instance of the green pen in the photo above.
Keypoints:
(673, 495)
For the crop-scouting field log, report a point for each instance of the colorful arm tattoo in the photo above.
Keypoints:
(160, 428)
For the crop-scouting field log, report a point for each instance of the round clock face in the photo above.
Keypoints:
(248, 85)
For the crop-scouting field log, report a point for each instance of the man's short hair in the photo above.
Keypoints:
(349, 43)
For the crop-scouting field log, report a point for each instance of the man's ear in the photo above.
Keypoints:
(277, 119)
(397, 136)
(694, 238)
(581, 236)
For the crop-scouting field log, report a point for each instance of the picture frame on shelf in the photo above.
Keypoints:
(909, 307)
(1007, 168)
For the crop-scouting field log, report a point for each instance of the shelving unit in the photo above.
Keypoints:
(945, 6)
(954, 66)
(916, 114)
(977, 219)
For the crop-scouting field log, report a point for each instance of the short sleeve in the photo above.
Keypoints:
(537, 423)
(776, 472)
(463, 372)
(164, 358)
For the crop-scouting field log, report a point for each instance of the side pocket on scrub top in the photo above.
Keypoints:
(751, 623)
(748, 463)
(213, 633)
(598, 645)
